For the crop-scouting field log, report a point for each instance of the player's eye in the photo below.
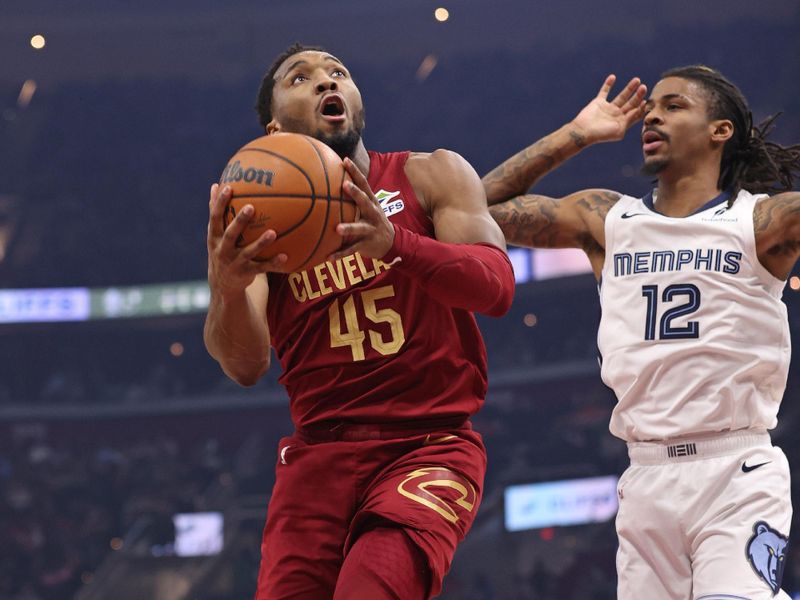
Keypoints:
(338, 73)
(299, 78)
(673, 106)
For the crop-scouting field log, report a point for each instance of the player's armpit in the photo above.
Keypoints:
(575, 221)
(776, 224)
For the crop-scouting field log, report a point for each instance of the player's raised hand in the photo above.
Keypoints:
(604, 120)
(231, 268)
(372, 234)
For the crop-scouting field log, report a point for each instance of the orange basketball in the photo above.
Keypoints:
(294, 183)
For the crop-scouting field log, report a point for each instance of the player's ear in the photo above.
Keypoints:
(721, 130)
(273, 127)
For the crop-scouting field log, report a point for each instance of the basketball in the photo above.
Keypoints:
(294, 183)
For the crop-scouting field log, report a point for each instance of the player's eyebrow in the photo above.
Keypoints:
(302, 61)
(666, 98)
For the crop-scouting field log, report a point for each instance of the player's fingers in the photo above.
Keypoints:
(345, 251)
(253, 249)
(606, 87)
(637, 100)
(352, 230)
(217, 203)
(367, 207)
(275, 263)
(358, 179)
(627, 92)
(634, 115)
(236, 227)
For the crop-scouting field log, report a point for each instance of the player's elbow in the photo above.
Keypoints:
(247, 374)
(504, 291)
(503, 301)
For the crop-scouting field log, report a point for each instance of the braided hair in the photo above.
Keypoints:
(749, 161)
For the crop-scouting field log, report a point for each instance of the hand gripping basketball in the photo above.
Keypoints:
(232, 268)
(372, 235)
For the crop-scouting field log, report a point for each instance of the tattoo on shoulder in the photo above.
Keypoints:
(527, 221)
(599, 203)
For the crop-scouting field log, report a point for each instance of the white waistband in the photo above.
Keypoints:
(668, 451)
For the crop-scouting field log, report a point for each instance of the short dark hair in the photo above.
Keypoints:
(749, 161)
(264, 100)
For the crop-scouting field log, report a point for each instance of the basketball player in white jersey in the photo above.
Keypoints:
(693, 336)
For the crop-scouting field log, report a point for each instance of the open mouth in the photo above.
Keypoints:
(332, 108)
(651, 141)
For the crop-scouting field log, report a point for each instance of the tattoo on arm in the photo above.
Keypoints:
(534, 221)
(527, 221)
(518, 174)
(779, 218)
(598, 203)
(580, 141)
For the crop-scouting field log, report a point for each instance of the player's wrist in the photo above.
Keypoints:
(399, 247)
(580, 136)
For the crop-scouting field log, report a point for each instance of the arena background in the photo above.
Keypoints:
(113, 419)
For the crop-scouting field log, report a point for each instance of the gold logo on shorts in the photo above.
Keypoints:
(428, 441)
(432, 477)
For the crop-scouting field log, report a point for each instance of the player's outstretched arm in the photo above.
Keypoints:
(466, 266)
(236, 332)
(776, 221)
(599, 121)
(575, 221)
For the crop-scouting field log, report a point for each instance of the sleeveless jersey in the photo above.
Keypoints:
(693, 336)
(360, 341)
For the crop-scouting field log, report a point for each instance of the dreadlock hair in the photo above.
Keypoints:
(264, 101)
(749, 161)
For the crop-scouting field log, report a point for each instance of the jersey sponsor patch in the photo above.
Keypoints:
(389, 202)
(766, 552)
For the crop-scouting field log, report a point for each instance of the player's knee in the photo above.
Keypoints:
(384, 564)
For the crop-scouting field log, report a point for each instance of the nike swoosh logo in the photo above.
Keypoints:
(629, 215)
(428, 440)
(746, 469)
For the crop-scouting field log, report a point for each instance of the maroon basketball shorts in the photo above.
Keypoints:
(328, 492)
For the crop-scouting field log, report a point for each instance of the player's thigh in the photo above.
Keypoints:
(741, 552)
(651, 559)
(384, 564)
(308, 519)
(433, 492)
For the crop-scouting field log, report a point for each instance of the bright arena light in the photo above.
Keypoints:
(441, 14)
(794, 282)
(176, 349)
(38, 41)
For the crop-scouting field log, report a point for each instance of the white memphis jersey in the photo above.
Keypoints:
(694, 336)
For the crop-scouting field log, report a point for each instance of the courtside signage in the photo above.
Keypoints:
(568, 502)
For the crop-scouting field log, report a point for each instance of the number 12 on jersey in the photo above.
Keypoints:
(666, 330)
(353, 336)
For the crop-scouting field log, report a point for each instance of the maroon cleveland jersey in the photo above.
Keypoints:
(360, 341)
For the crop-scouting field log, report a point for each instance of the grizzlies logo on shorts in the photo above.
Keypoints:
(766, 551)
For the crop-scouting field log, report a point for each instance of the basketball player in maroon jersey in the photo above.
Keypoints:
(381, 355)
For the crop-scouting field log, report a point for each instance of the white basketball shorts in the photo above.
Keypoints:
(704, 519)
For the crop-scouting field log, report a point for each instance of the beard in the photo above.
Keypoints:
(654, 167)
(344, 143)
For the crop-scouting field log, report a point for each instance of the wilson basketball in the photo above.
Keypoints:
(294, 183)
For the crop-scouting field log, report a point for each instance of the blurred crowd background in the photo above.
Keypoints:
(110, 428)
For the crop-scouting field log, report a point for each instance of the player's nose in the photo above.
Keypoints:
(652, 118)
(326, 84)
